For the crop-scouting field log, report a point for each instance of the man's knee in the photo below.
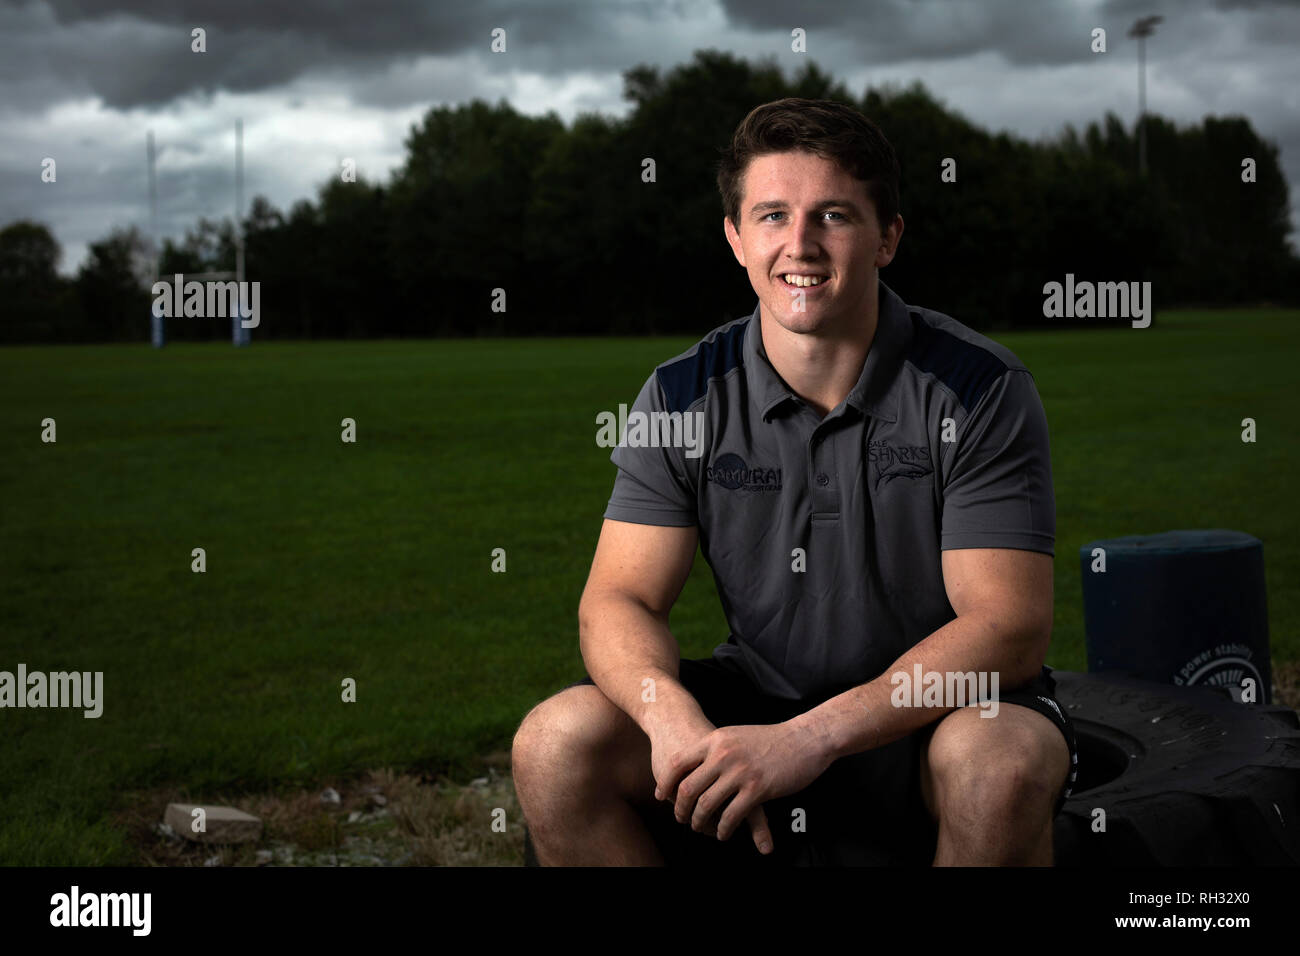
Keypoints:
(1009, 765)
(553, 728)
(566, 734)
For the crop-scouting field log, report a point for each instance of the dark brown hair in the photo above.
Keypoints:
(834, 131)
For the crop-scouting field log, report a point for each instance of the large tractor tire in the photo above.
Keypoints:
(1185, 776)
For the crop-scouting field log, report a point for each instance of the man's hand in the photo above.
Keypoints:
(745, 765)
(668, 739)
(670, 744)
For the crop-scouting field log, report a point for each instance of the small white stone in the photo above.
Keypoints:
(221, 824)
(331, 796)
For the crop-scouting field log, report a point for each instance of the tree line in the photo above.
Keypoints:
(562, 219)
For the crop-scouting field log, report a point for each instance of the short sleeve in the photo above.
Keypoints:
(997, 482)
(653, 484)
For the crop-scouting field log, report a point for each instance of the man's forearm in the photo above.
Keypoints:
(864, 717)
(634, 659)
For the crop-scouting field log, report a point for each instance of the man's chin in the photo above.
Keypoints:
(807, 320)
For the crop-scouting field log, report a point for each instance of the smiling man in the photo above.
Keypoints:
(873, 493)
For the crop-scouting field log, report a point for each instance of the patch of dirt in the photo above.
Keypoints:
(383, 819)
(1286, 684)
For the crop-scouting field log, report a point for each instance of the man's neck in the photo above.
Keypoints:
(822, 368)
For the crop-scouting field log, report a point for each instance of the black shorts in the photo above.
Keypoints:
(866, 809)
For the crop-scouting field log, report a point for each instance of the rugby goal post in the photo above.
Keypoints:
(157, 327)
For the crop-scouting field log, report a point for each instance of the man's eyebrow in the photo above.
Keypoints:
(780, 204)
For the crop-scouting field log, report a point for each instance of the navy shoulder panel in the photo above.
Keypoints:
(686, 379)
(963, 366)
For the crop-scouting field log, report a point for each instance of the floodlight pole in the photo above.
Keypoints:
(1142, 29)
(155, 321)
(238, 333)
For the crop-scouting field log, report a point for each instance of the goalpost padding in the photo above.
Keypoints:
(238, 334)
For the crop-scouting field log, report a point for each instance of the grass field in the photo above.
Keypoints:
(372, 560)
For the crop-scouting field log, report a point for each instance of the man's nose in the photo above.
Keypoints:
(803, 237)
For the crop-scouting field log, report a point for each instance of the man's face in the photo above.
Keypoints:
(804, 214)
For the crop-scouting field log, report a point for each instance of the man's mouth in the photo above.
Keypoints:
(797, 281)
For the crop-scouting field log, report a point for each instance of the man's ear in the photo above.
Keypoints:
(733, 238)
(889, 247)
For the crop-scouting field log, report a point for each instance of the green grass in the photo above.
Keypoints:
(328, 560)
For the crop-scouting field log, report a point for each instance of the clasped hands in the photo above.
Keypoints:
(719, 777)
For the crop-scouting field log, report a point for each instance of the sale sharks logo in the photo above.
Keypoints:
(888, 462)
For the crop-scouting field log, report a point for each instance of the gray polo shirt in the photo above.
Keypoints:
(824, 534)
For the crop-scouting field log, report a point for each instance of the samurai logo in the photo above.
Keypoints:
(731, 472)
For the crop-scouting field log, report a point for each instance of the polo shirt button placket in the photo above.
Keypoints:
(825, 500)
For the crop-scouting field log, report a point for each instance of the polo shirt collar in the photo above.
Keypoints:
(876, 392)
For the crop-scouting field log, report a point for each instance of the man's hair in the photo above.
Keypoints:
(828, 129)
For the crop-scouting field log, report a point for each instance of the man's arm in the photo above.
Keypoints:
(1003, 601)
(636, 576)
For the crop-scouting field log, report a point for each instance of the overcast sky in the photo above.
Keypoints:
(319, 80)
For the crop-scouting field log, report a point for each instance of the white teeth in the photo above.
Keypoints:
(802, 280)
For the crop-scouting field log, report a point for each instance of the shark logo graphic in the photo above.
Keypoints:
(898, 461)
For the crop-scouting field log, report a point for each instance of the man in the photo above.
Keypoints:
(872, 489)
